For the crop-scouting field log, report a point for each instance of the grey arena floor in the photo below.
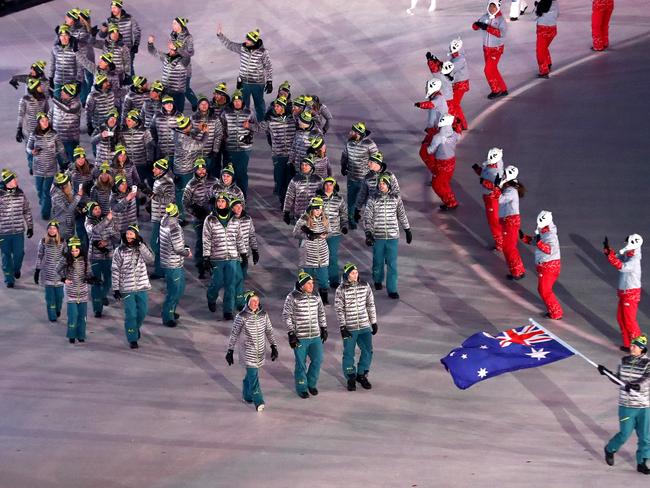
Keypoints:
(170, 415)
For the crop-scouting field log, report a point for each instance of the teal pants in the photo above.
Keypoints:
(181, 182)
(175, 280)
(362, 338)
(53, 301)
(281, 177)
(224, 275)
(251, 390)
(136, 304)
(308, 377)
(354, 186)
(198, 243)
(333, 244)
(77, 320)
(384, 253)
(631, 419)
(239, 161)
(155, 247)
(101, 268)
(321, 276)
(43, 187)
(257, 91)
(69, 146)
(12, 247)
(239, 286)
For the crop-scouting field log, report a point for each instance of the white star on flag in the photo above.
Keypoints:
(452, 353)
(482, 373)
(484, 346)
(464, 356)
(541, 354)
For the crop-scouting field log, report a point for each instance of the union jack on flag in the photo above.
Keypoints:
(526, 336)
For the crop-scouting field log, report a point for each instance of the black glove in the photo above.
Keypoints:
(256, 256)
(345, 333)
(134, 49)
(357, 215)
(139, 239)
(207, 264)
(274, 352)
(50, 81)
(229, 358)
(632, 386)
(537, 238)
(269, 87)
(37, 273)
(94, 30)
(323, 334)
(476, 167)
(287, 218)
(19, 134)
(416, 104)
(521, 234)
(293, 340)
(269, 140)
(606, 243)
(13, 82)
(311, 235)
(370, 240)
(497, 180)
(482, 25)
(375, 328)
(344, 170)
(344, 230)
(90, 128)
(409, 235)
(94, 280)
(244, 260)
(117, 295)
(240, 83)
(429, 56)
(246, 139)
(30, 233)
(602, 369)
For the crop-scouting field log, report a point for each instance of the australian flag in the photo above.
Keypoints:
(483, 356)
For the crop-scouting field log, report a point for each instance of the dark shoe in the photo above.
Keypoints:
(502, 94)
(493, 95)
(324, 296)
(105, 302)
(548, 316)
(58, 314)
(642, 468)
(394, 295)
(17, 275)
(303, 394)
(201, 274)
(334, 285)
(155, 276)
(212, 306)
(81, 340)
(176, 316)
(139, 335)
(514, 19)
(363, 380)
(313, 391)
(228, 316)
(170, 323)
(352, 383)
(524, 10)
(609, 458)
(352, 225)
(545, 76)
(550, 66)
(516, 278)
(10, 285)
(133, 345)
(98, 314)
(446, 208)
(378, 285)
(624, 349)
(53, 321)
(71, 341)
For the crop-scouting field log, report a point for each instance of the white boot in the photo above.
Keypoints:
(432, 6)
(514, 10)
(523, 6)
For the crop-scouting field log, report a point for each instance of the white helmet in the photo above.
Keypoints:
(447, 67)
(632, 243)
(495, 155)
(544, 219)
(455, 45)
(433, 86)
(446, 120)
(509, 174)
(495, 2)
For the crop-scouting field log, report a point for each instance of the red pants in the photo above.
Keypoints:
(443, 170)
(510, 233)
(492, 214)
(545, 35)
(547, 275)
(494, 79)
(427, 158)
(628, 304)
(601, 12)
(460, 88)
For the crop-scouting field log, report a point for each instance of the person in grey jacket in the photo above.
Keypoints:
(30, 104)
(130, 281)
(250, 241)
(355, 310)
(336, 211)
(135, 98)
(382, 219)
(494, 27)
(48, 255)
(175, 69)
(106, 137)
(318, 148)
(123, 204)
(181, 33)
(255, 324)
(633, 403)
(120, 53)
(255, 69)
(547, 12)
(306, 132)
(304, 316)
(66, 118)
(376, 167)
(64, 66)
(188, 145)
(75, 273)
(15, 218)
(302, 188)
(239, 124)
(280, 129)
(65, 201)
(214, 136)
(163, 194)
(153, 103)
(162, 129)
(99, 104)
(226, 184)
(102, 235)
(138, 140)
(354, 164)
(128, 26)
(173, 252)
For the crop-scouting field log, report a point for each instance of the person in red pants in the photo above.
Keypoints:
(601, 12)
(493, 25)
(628, 263)
(488, 172)
(547, 13)
(460, 74)
(511, 190)
(441, 161)
(547, 261)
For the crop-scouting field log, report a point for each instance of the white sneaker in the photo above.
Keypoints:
(432, 7)
(409, 11)
(260, 407)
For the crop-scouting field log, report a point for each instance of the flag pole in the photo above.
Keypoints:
(575, 351)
